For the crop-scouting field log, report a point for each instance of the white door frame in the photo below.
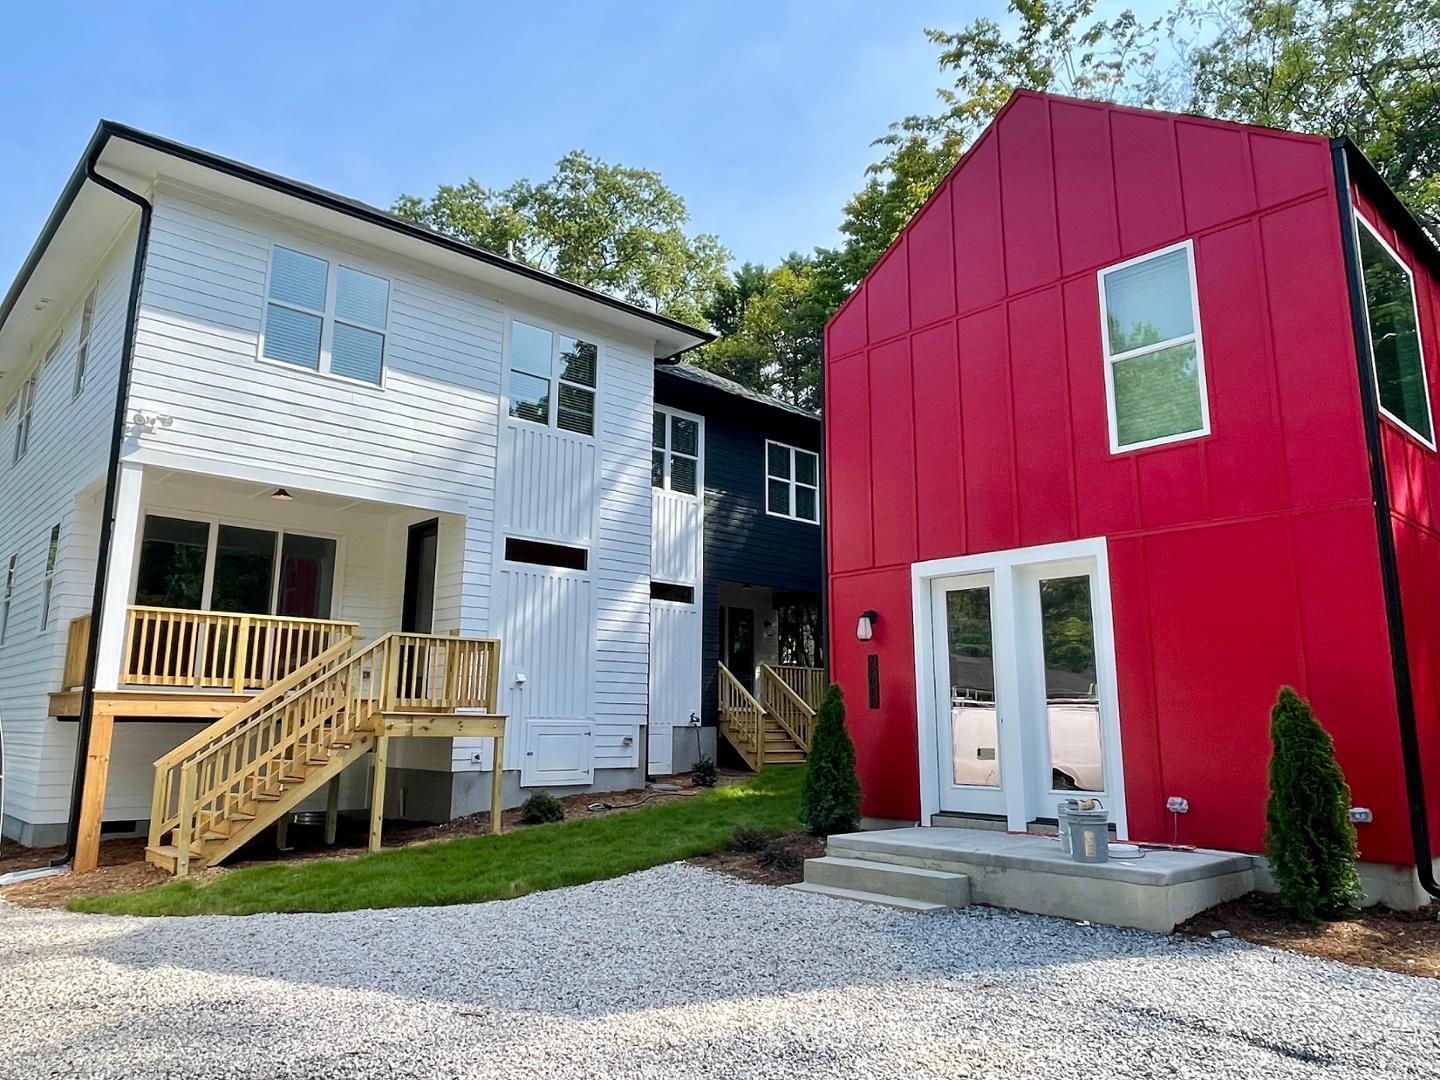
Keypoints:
(1008, 567)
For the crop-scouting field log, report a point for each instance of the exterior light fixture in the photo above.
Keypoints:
(865, 629)
(281, 495)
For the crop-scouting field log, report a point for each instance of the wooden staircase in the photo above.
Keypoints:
(773, 729)
(225, 785)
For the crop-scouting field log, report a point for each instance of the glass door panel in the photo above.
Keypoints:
(307, 577)
(244, 570)
(1072, 702)
(968, 729)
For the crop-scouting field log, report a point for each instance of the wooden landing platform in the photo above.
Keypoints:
(149, 704)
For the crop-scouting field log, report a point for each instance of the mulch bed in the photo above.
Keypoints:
(1403, 941)
(123, 867)
(782, 862)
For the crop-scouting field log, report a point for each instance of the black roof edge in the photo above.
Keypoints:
(1368, 178)
(741, 394)
(329, 200)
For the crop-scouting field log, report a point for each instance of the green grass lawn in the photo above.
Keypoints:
(484, 867)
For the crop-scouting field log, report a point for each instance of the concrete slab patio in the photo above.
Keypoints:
(680, 972)
(1023, 872)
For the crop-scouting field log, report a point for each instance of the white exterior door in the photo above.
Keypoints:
(1018, 696)
(674, 678)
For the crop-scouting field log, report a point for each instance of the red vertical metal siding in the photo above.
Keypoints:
(1413, 470)
(976, 422)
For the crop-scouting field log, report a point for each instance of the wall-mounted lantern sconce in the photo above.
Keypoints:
(865, 629)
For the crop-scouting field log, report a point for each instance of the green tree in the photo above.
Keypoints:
(830, 799)
(1309, 837)
(610, 227)
(1369, 69)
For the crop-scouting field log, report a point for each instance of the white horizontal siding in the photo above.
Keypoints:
(68, 449)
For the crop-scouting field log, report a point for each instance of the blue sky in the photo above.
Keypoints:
(759, 113)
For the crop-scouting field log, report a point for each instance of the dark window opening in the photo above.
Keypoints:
(543, 554)
(680, 594)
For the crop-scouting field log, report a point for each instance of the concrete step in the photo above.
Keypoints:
(858, 896)
(889, 879)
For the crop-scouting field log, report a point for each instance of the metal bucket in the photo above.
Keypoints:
(1084, 830)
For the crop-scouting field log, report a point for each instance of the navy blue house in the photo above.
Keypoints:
(750, 466)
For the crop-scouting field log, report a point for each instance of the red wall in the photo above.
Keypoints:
(965, 409)
(1413, 472)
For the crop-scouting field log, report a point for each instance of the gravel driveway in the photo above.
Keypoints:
(679, 972)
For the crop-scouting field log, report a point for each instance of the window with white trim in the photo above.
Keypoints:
(552, 378)
(51, 352)
(331, 323)
(792, 482)
(82, 351)
(1393, 321)
(675, 453)
(51, 555)
(1154, 359)
(7, 596)
(27, 413)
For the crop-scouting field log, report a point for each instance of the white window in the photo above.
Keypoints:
(27, 411)
(1393, 322)
(792, 482)
(552, 378)
(332, 323)
(675, 453)
(49, 585)
(50, 352)
(1154, 361)
(82, 352)
(7, 596)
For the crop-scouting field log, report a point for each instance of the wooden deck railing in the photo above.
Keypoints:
(742, 719)
(171, 647)
(808, 682)
(77, 652)
(790, 710)
(273, 740)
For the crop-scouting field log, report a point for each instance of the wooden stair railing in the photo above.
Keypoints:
(808, 682)
(742, 719)
(303, 734)
(791, 711)
(165, 801)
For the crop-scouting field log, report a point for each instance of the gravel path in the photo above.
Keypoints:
(677, 973)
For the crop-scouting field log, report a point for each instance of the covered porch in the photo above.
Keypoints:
(225, 598)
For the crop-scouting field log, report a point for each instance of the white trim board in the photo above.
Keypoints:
(1007, 567)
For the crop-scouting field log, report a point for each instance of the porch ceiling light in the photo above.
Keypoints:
(865, 629)
(281, 495)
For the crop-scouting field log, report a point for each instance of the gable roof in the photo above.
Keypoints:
(127, 154)
(708, 380)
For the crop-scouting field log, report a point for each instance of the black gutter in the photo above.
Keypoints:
(329, 200)
(107, 514)
(1340, 150)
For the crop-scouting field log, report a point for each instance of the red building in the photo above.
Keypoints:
(1107, 428)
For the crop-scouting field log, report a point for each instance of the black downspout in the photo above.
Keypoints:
(107, 514)
(1389, 564)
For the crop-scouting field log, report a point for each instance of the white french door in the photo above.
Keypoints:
(1018, 706)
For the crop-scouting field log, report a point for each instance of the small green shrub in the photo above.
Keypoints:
(540, 808)
(1309, 837)
(779, 856)
(749, 839)
(704, 773)
(830, 799)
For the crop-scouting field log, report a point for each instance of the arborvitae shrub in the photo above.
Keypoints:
(830, 799)
(1309, 837)
(540, 808)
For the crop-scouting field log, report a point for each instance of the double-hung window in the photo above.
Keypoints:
(1391, 314)
(82, 351)
(792, 482)
(23, 421)
(675, 453)
(7, 596)
(48, 588)
(1154, 359)
(552, 378)
(333, 323)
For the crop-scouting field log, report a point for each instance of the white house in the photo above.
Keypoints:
(304, 413)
